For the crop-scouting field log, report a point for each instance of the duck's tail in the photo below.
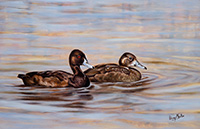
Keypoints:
(21, 76)
(27, 81)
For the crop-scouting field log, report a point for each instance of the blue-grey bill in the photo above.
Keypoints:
(137, 64)
(85, 63)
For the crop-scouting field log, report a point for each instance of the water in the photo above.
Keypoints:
(39, 35)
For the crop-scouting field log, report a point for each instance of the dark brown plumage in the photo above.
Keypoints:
(60, 78)
(110, 72)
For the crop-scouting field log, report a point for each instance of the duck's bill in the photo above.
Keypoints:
(85, 63)
(137, 64)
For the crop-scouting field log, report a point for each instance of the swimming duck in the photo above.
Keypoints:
(110, 72)
(61, 78)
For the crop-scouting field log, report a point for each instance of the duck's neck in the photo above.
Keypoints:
(77, 70)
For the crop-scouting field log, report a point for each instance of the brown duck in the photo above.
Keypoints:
(60, 78)
(110, 72)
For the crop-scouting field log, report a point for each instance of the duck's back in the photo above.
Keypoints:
(57, 78)
(113, 73)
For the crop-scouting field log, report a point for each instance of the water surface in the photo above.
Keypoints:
(39, 35)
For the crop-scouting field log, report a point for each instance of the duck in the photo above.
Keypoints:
(125, 71)
(60, 78)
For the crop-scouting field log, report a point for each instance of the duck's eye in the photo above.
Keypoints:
(78, 56)
(130, 58)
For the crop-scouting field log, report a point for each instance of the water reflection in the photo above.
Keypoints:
(38, 35)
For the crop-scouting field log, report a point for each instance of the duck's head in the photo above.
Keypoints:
(77, 58)
(130, 60)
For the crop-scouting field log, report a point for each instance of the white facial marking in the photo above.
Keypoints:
(123, 60)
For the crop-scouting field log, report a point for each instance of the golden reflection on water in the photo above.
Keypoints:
(39, 35)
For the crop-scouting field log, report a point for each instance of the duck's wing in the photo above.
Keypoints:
(106, 68)
(107, 73)
(49, 78)
(98, 69)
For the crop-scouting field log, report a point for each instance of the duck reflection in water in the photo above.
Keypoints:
(123, 72)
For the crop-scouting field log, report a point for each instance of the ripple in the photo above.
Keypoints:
(150, 80)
